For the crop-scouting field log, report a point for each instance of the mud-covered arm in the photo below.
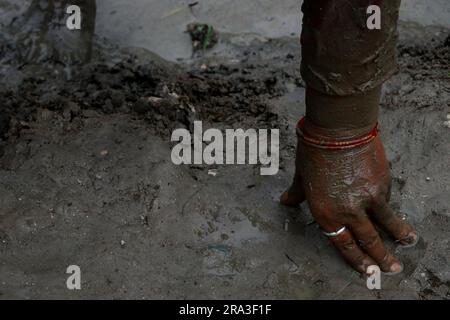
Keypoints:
(344, 63)
(341, 167)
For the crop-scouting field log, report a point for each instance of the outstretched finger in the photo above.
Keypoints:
(399, 229)
(346, 244)
(369, 240)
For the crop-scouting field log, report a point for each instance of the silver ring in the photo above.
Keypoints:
(335, 233)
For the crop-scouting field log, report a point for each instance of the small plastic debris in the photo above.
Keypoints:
(212, 172)
(286, 224)
(104, 153)
(122, 243)
(428, 178)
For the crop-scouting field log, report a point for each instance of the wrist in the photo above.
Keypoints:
(321, 141)
(341, 117)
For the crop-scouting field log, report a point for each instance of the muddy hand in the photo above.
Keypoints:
(346, 190)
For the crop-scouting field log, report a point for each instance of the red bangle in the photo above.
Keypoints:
(336, 145)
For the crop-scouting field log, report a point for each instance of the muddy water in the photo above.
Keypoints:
(159, 25)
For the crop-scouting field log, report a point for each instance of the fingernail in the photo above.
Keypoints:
(412, 236)
(409, 239)
(392, 265)
(396, 267)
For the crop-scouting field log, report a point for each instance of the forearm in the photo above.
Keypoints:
(344, 64)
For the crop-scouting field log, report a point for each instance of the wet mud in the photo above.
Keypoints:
(86, 176)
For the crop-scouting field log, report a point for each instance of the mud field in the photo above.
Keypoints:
(86, 176)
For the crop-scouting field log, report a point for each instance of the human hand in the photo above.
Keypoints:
(346, 191)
